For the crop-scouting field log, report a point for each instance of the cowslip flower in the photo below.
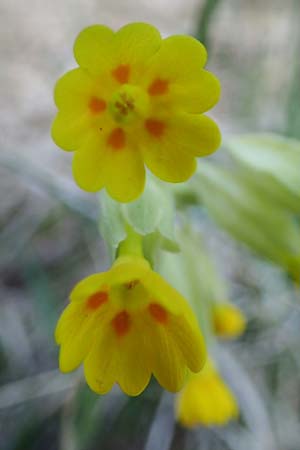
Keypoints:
(206, 400)
(228, 320)
(126, 324)
(135, 100)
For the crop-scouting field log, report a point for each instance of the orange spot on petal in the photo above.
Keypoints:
(158, 87)
(155, 127)
(117, 139)
(97, 299)
(121, 73)
(158, 313)
(96, 105)
(121, 323)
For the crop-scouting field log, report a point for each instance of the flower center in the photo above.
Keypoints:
(128, 103)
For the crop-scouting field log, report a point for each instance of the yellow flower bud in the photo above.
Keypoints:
(206, 400)
(228, 320)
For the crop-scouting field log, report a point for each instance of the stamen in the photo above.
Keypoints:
(117, 139)
(125, 105)
(158, 313)
(97, 299)
(121, 73)
(121, 323)
(155, 127)
(158, 87)
(131, 284)
(96, 105)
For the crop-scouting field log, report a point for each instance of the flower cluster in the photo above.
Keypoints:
(135, 99)
(136, 103)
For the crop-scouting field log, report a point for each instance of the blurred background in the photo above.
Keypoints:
(49, 237)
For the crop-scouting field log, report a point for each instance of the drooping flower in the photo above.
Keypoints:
(126, 324)
(206, 400)
(135, 100)
(228, 320)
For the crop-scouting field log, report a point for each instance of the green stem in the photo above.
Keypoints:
(293, 114)
(132, 245)
(206, 16)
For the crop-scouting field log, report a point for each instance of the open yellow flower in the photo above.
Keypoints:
(228, 320)
(206, 400)
(126, 324)
(135, 100)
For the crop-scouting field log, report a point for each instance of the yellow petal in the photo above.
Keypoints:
(72, 90)
(114, 359)
(169, 366)
(88, 286)
(189, 341)
(167, 161)
(161, 291)
(179, 62)
(194, 133)
(74, 333)
(92, 48)
(134, 44)
(199, 95)
(70, 316)
(74, 350)
(89, 164)
(70, 129)
(128, 268)
(178, 59)
(134, 370)
(125, 174)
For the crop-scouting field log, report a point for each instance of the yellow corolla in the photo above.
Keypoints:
(135, 100)
(228, 320)
(126, 324)
(206, 400)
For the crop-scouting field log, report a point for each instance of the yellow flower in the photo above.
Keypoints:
(228, 320)
(126, 324)
(206, 400)
(135, 100)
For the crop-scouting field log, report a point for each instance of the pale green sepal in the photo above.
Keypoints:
(144, 214)
(153, 212)
(270, 154)
(152, 216)
(249, 215)
(182, 272)
(112, 225)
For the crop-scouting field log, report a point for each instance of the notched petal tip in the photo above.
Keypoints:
(91, 47)
(137, 34)
(186, 46)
